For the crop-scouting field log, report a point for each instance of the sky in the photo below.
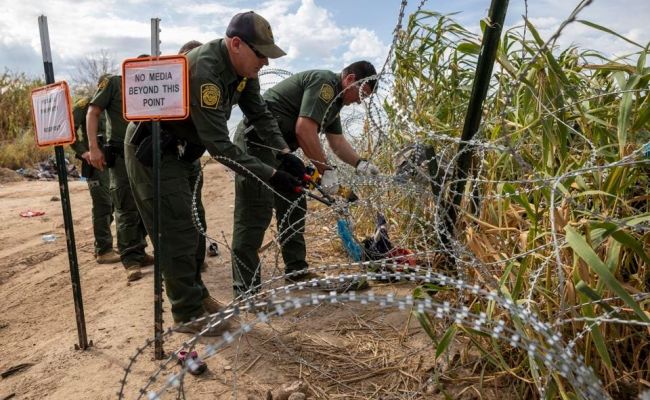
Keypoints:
(325, 34)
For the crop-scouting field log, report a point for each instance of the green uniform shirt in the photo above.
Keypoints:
(306, 94)
(109, 97)
(214, 89)
(79, 111)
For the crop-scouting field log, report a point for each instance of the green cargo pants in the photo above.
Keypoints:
(254, 205)
(179, 239)
(129, 227)
(102, 211)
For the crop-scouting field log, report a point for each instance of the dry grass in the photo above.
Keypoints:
(561, 117)
(22, 152)
(17, 143)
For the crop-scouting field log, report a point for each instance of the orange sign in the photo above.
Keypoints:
(155, 88)
(52, 115)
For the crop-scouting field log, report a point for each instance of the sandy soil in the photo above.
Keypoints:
(341, 351)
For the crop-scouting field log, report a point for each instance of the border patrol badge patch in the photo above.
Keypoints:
(326, 93)
(102, 85)
(210, 95)
(242, 85)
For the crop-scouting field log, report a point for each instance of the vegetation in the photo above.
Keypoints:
(565, 127)
(17, 145)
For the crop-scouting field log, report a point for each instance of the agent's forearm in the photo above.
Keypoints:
(92, 125)
(343, 149)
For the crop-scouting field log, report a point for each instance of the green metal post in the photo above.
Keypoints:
(491, 37)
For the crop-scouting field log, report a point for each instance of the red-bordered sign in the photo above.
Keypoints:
(155, 88)
(52, 115)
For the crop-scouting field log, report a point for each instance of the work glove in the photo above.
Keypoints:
(291, 164)
(364, 167)
(329, 182)
(284, 182)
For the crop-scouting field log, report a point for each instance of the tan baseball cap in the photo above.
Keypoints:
(253, 29)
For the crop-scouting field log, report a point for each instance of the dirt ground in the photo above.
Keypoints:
(339, 351)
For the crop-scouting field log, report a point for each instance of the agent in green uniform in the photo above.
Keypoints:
(304, 105)
(130, 229)
(141, 179)
(222, 73)
(98, 185)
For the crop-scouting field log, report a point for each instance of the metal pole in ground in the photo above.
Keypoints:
(157, 280)
(489, 46)
(62, 173)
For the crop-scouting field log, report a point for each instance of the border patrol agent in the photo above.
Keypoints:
(303, 105)
(145, 175)
(98, 185)
(222, 73)
(130, 229)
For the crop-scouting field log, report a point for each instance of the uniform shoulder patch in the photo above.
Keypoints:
(210, 95)
(104, 82)
(82, 102)
(326, 92)
(242, 85)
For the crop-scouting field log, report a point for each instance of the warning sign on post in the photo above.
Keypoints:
(155, 88)
(52, 115)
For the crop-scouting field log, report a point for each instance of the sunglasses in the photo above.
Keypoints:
(257, 52)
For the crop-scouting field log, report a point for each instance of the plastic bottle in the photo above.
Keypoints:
(49, 238)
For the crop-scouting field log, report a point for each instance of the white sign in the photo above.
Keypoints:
(52, 115)
(155, 88)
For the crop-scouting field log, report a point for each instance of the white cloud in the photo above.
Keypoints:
(307, 31)
(313, 39)
(624, 16)
(542, 23)
(311, 31)
(365, 44)
(309, 35)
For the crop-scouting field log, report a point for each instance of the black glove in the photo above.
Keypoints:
(86, 169)
(284, 182)
(291, 164)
